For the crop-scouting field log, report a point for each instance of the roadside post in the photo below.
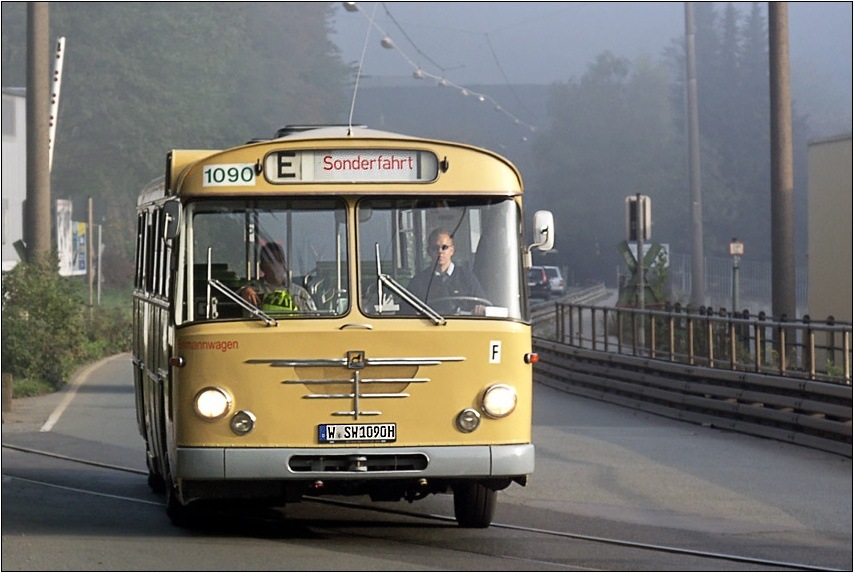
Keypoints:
(736, 250)
(7, 392)
(639, 229)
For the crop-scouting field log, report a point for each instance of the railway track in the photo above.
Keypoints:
(715, 559)
(544, 311)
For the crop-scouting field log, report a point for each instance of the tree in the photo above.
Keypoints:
(142, 78)
(611, 135)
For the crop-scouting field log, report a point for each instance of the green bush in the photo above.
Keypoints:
(109, 331)
(47, 328)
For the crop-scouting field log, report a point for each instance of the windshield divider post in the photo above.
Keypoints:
(208, 297)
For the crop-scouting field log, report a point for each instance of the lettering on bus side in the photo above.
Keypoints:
(209, 345)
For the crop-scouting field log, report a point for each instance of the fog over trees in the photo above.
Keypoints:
(620, 129)
(143, 78)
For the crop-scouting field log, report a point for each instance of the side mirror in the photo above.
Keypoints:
(171, 219)
(544, 230)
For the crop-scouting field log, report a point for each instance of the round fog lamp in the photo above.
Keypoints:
(499, 401)
(242, 422)
(468, 420)
(212, 403)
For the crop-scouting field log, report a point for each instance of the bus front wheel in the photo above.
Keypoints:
(179, 514)
(474, 505)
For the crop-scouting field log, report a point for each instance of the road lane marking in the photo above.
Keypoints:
(71, 393)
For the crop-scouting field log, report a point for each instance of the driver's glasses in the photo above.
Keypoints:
(437, 248)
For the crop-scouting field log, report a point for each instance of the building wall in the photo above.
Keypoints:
(831, 229)
(14, 172)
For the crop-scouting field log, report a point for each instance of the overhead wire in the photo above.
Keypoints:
(411, 42)
(421, 73)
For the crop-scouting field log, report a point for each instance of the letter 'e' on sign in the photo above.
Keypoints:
(495, 352)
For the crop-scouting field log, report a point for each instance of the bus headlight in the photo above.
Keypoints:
(468, 420)
(242, 422)
(499, 400)
(212, 403)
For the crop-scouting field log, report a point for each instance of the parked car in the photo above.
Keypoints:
(556, 282)
(538, 283)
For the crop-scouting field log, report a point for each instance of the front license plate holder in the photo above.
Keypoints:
(356, 433)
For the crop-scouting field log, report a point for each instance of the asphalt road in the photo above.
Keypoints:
(602, 472)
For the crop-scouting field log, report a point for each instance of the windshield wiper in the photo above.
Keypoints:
(241, 302)
(416, 302)
(398, 289)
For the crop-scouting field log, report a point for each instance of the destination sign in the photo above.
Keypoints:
(350, 165)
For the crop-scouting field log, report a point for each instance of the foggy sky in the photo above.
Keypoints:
(543, 42)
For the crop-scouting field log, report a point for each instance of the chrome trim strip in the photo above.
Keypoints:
(423, 361)
(351, 395)
(402, 361)
(363, 381)
(280, 363)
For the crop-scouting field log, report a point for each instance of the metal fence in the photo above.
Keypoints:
(754, 282)
(816, 351)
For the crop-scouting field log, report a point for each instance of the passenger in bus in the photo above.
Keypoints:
(273, 283)
(452, 285)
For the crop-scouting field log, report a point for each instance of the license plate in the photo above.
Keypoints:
(331, 433)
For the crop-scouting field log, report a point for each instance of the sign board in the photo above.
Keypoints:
(736, 249)
(350, 165)
(632, 218)
(70, 241)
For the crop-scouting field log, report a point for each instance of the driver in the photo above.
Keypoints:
(264, 291)
(445, 280)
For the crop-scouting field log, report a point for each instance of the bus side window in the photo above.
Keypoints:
(150, 245)
(163, 253)
(140, 250)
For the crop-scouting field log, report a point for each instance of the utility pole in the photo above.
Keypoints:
(698, 263)
(782, 177)
(37, 209)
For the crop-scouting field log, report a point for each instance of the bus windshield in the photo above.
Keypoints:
(285, 257)
(440, 257)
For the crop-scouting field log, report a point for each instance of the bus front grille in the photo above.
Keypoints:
(358, 463)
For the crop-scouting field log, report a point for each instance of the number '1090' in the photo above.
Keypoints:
(235, 174)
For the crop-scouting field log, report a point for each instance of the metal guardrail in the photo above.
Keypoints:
(742, 342)
(721, 371)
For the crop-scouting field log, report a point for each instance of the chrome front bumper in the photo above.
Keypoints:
(348, 463)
